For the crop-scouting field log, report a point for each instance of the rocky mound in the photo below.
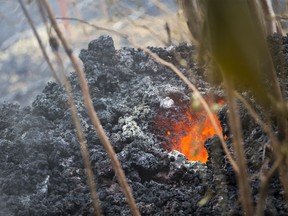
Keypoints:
(41, 166)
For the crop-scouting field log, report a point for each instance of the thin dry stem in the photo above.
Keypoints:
(82, 141)
(168, 31)
(151, 31)
(264, 185)
(83, 148)
(277, 154)
(161, 6)
(283, 174)
(94, 26)
(202, 100)
(276, 89)
(194, 18)
(272, 24)
(60, 65)
(93, 116)
(265, 127)
(236, 130)
(47, 59)
(275, 143)
(180, 28)
(42, 14)
(57, 55)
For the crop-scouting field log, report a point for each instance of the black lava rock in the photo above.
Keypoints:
(41, 170)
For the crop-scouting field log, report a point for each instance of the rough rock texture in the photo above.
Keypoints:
(41, 166)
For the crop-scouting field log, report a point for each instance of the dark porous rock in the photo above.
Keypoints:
(41, 168)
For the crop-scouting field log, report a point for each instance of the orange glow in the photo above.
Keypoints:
(196, 130)
(188, 134)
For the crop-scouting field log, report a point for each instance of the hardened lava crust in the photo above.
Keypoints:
(41, 169)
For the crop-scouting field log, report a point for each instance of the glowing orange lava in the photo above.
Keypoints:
(189, 134)
(195, 132)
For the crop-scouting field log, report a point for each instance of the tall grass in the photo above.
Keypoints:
(231, 37)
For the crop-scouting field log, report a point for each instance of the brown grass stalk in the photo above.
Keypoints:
(265, 127)
(161, 6)
(83, 148)
(236, 130)
(272, 24)
(168, 31)
(283, 172)
(43, 15)
(194, 20)
(93, 115)
(262, 12)
(279, 110)
(202, 101)
(94, 26)
(156, 35)
(53, 43)
(275, 143)
(265, 184)
(268, 11)
(46, 57)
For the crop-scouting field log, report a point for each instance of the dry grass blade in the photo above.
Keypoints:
(275, 143)
(272, 24)
(194, 18)
(283, 172)
(83, 148)
(233, 38)
(94, 26)
(151, 31)
(236, 130)
(43, 15)
(265, 127)
(202, 100)
(264, 185)
(47, 59)
(162, 7)
(93, 115)
(75, 117)
(168, 31)
(276, 97)
(278, 155)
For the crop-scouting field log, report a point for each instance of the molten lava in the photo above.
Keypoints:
(188, 134)
(195, 131)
